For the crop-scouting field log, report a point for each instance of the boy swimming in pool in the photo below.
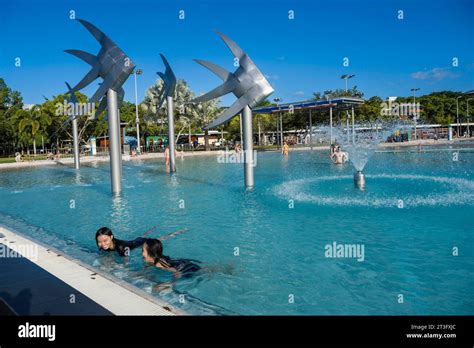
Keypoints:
(338, 156)
(107, 242)
(152, 252)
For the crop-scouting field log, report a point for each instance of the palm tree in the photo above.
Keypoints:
(190, 114)
(151, 103)
(30, 122)
(203, 114)
(185, 121)
(26, 127)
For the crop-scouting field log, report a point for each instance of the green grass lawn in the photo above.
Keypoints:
(7, 159)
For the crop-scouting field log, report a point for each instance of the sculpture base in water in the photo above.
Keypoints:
(359, 180)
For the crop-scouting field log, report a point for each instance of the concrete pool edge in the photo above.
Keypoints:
(121, 298)
(92, 159)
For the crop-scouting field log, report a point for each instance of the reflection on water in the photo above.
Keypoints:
(78, 178)
(121, 212)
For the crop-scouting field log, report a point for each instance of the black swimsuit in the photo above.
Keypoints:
(123, 247)
(186, 267)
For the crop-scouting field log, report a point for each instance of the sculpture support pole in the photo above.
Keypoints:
(170, 109)
(277, 132)
(114, 142)
(347, 128)
(281, 131)
(137, 120)
(76, 143)
(119, 140)
(248, 146)
(241, 136)
(353, 126)
(310, 130)
(330, 125)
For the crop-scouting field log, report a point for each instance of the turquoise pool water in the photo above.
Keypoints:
(417, 207)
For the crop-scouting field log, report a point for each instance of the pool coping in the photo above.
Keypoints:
(105, 158)
(121, 298)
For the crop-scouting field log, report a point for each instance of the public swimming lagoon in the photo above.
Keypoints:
(268, 250)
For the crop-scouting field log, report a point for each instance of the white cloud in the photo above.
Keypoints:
(272, 77)
(434, 74)
(299, 93)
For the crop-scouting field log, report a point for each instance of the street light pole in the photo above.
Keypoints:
(346, 77)
(330, 117)
(282, 138)
(259, 136)
(467, 116)
(414, 106)
(137, 121)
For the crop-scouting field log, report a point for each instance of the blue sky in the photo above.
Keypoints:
(388, 55)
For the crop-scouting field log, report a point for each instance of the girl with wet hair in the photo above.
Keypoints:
(106, 241)
(152, 252)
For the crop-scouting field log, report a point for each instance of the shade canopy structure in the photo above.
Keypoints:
(340, 103)
(334, 104)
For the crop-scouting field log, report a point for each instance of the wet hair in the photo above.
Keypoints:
(154, 248)
(103, 231)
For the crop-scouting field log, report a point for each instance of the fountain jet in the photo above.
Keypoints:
(359, 180)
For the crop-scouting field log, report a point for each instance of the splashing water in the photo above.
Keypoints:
(361, 141)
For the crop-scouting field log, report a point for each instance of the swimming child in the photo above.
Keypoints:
(285, 149)
(167, 159)
(152, 252)
(107, 242)
(338, 156)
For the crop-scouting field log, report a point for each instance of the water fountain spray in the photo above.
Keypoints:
(363, 142)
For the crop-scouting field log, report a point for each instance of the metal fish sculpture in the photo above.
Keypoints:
(247, 83)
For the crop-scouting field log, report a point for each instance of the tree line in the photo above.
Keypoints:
(40, 126)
